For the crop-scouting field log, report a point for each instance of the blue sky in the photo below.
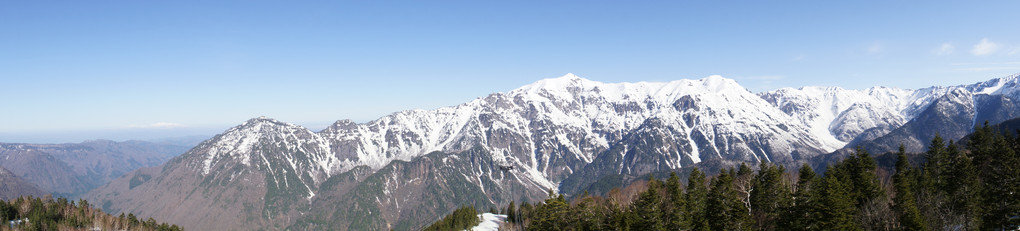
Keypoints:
(77, 70)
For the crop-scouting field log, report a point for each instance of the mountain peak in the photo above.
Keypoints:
(570, 76)
(717, 83)
(566, 81)
(263, 120)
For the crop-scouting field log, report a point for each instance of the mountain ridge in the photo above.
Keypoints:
(555, 134)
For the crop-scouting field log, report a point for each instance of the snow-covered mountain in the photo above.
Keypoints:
(850, 117)
(555, 134)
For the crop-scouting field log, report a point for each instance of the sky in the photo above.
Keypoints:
(79, 70)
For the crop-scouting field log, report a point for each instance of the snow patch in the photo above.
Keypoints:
(490, 222)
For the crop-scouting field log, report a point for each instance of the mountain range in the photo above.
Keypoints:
(564, 134)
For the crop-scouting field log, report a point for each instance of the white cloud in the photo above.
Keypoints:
(1016, 50)
(945, 49)
(161, 125)
(985, 47)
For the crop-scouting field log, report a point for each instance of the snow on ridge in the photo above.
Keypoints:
(589, 113)
(238, 144)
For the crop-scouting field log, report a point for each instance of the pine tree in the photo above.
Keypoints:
(835, 205)
(697, 201)
(646, 208)
(905, 204)
(552, 214)
(770, 196)
(859, 169)
(511, 213)
(725, 211)
(799, 216)
(673, 215)
(996, 159)
(963, 189)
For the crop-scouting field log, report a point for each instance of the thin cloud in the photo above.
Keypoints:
(992, 66)
(875, 48)
(761, 82)
(764, 77)
(985, 47)
(944, 49)
(159, 125)
(979, 69)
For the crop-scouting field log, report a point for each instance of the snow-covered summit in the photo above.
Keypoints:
(572, 86)
(834, 113)
(553, 127)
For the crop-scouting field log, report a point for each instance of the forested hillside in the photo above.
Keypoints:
(34, 213)
(968, 185)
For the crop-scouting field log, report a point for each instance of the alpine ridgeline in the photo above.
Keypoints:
(407, 169)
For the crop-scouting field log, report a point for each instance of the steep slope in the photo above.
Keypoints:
(554, 127)
(256, 175)
(951, 116)
(858, 116)
(407, 195)
(12, 186)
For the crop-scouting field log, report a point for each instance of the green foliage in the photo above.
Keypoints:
(905, 204)
(802, 211)
(725, 211)
(62, 214)
(697, 201)
(553, 214)
(673, 212)
(770, 196)
(647, 209)
(834, 205)
(462, 218)
(997, 160)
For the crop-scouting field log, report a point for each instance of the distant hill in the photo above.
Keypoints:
(72, 169)
(12, 186)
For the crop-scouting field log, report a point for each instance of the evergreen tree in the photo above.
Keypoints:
(552, 215)
(835, 205)
(673, 214)
(697, 201)
(770, 196)
(937, 163)
(511, 213)
(996, 159)
(963, 189)
(801, 213)
(725, 211)
(646, 208)
(860, 169)
(905, 204)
